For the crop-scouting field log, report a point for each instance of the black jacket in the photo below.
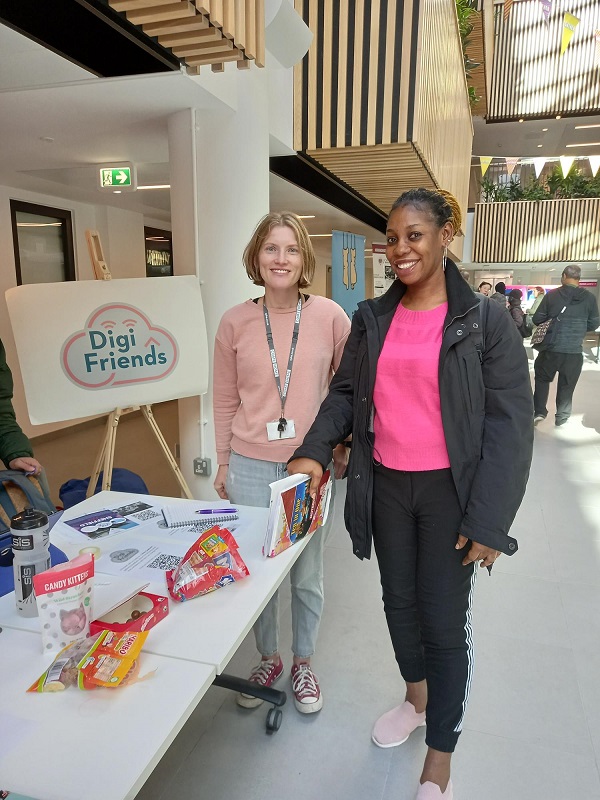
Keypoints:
(487, 413)
(580, 316)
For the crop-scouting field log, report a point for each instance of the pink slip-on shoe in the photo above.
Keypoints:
(395, 726)
(431, 791)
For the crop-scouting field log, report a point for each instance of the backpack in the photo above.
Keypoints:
(19, 491)
(123, 480)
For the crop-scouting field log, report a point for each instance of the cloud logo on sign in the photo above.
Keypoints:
(118, 346)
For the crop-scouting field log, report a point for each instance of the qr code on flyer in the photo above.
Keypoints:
(165, 562)
(144, 516)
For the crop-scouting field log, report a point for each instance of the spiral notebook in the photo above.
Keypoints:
(183, 515)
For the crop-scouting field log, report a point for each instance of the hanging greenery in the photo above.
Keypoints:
(553, 186)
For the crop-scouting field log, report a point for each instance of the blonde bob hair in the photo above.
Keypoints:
(284, 219)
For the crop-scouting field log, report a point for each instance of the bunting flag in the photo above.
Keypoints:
(597, 56)
(566, 162)
(538, 165)
(594, 164)
(569, 24)
(546, 9)
(507, 8)
(485, 161)
(511, 163)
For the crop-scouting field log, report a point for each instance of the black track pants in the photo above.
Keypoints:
(427, 593)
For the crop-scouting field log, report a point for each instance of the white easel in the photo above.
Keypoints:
(106, 453)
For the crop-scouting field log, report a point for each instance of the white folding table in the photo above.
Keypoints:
(190, 648)
(96, 744)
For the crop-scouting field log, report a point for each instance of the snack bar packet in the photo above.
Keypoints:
(106, 659)
(63, 671)
(113, 660)
(64, 600)
(211, 562)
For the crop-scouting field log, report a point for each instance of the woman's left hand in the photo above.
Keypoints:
(477, 552)
(340, 461)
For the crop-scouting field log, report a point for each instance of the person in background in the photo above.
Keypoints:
(578, 311)
(499, 294)
(466, 275)
(260, 420)
(514, 306)
(15, 448)
(441, 424)
(484, 288)
(538, 296)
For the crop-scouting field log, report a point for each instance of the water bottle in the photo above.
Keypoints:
(31, 549)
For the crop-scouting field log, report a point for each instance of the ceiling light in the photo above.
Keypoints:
(585, 144)
(317, 235)
(539, 145)
(39, 224)
(307, 216)
(558, 116)
(544, 130)
(156, 186)
(581, 127)
(521, 120)
(116, 191)
(46, 139)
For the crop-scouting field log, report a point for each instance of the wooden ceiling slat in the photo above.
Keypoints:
(162, 13)
(225, 55)
(379, 172)
(181, 39)
(134, 5)
(185, 25)
(200, 50)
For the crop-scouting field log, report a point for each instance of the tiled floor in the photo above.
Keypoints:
(533, 726)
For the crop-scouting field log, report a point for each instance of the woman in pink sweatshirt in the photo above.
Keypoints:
(274, 358)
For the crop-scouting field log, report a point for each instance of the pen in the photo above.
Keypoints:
(229, 510)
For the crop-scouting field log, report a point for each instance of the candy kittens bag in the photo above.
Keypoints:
(64, 600)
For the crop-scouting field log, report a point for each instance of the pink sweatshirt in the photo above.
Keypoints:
(408, 420)
(245, 395)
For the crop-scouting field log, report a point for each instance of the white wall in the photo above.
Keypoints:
(122, 237)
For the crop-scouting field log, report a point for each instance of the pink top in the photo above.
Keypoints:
(245, 395)
(408, 420)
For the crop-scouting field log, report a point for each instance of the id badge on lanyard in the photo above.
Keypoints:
(282, 428)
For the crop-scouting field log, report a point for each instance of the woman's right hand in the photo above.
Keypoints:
(220, 479)
(310, 467)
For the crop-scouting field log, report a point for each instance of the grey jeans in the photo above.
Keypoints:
(248, 484)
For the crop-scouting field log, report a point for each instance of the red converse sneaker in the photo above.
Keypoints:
(265, 674)
(305, 685)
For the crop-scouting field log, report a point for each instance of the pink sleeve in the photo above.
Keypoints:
(226, 399)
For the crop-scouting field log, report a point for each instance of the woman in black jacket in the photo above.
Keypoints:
(435, 391)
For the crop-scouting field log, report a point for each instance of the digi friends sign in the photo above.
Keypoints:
(118, 346)
(88, 347)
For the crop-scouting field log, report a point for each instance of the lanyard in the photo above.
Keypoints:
(286, 383)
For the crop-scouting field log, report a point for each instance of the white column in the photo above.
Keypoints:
(219, 164)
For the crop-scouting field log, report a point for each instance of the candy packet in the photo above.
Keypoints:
(106, 659)
(64, 600)
(211, 562)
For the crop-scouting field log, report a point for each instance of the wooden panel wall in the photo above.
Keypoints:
(443, 128)
(530, 78)
(548, 230)
(476, 52)
(381, 98)
(204, 31)
(350, 80)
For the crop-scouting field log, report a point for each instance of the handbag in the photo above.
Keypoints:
(545, 334)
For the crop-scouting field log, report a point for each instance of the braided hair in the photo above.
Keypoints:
(441, 205)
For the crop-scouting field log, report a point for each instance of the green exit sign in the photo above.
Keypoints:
(116, 177)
